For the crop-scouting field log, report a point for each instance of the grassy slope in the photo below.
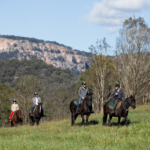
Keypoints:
(60, 135)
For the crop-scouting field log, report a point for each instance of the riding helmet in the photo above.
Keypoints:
(14, 100)
(35, 93)
(117, 85)
(83, 83)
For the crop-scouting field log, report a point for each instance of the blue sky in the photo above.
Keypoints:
(75, 23)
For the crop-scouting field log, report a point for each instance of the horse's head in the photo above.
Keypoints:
(19, 114)
(131, 101)
(40, 107)
(89, 99)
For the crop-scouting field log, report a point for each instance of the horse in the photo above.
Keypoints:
(16, 118)
(37, 114)
(122, 111)
(85, 108)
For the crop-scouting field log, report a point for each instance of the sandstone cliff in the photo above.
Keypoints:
(51, 52)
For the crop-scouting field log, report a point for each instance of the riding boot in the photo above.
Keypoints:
(91, 111)
(10, 120)
(31, 114)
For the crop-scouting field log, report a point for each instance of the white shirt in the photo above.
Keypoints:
(36, 101)
(14, 107)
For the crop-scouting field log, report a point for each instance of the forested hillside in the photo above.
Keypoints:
(55, 86)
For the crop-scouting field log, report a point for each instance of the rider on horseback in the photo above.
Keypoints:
(36, 101)
(14, 107)
(118, 95)
(83, 91)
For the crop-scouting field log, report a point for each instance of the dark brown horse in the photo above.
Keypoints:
(36, 115)
(16, 118)
(122, 111)
(85, 108)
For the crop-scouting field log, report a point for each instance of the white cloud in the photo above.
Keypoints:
(112, 13)
(129, 5)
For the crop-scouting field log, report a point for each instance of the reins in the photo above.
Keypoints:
(123, 107)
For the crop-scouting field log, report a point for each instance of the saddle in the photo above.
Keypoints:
(33, 110)
(111, 104)
(76, 101)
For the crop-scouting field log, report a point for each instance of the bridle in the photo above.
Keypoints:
(129, 105)
(17, 113)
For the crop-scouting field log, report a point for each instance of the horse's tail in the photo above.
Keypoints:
(71, 104)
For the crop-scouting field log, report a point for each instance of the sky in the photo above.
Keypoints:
(75, 23)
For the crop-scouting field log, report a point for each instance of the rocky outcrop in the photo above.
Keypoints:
(51, 52)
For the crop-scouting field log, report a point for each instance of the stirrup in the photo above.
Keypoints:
(113, 112)
(31, 114)
(77, 112)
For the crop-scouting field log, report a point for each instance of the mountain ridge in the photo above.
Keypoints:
(51, 52)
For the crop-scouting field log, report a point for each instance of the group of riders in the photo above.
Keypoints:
(15, 107)
(118, 95)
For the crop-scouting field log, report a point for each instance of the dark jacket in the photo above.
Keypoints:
(119, 96)
(83, 92)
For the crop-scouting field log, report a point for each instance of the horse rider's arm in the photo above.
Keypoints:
(34, 101)
(123, 95)
(114, 94)
(17, 107)
(88, 91)
(79, 92)
(39, 100)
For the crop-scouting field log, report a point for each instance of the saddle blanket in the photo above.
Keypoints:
(31, 110)
(76, 101)
(111, 104)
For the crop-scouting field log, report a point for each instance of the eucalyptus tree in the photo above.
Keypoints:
(131, 61)
(99, 70)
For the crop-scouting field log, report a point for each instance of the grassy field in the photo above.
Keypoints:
(60, 135)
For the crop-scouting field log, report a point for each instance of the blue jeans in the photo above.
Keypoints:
(31, 110)
(80, 99)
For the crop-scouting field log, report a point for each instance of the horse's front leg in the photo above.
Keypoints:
(82, 118)
(10, 124)
(126, 121)
(73, 119)
(87, 117)
(119, 121)
(109, 121)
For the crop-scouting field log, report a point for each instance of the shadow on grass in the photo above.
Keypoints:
(92, 122)
(122, 123)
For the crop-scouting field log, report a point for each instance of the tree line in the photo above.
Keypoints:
(19, 79)
(130, 65)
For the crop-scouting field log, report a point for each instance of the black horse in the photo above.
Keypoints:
(36, 115)
(85, 108)
(122, 111)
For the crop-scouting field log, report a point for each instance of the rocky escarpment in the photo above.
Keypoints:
(51, 52)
